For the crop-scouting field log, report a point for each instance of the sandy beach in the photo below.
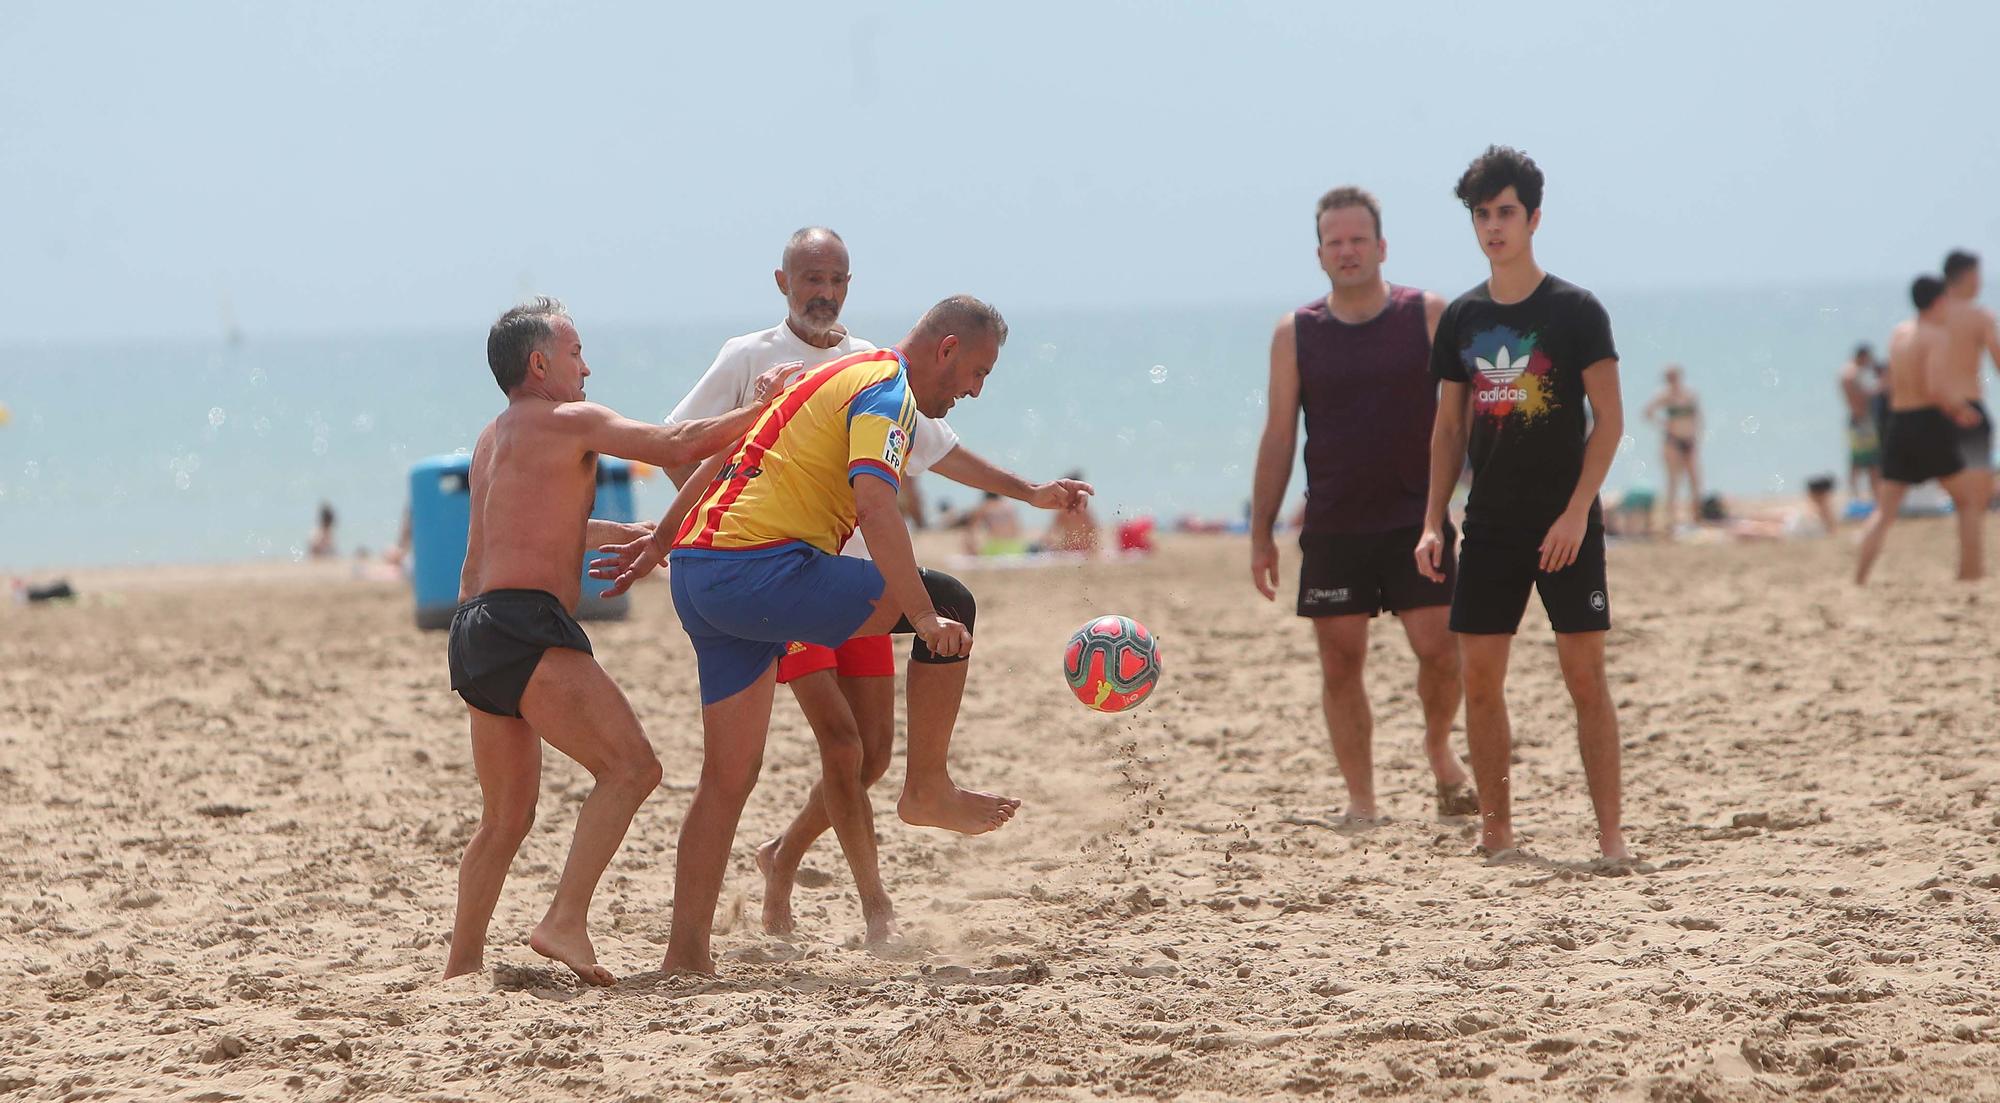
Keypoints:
(232, 805)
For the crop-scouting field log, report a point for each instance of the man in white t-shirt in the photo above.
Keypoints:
(848, 693)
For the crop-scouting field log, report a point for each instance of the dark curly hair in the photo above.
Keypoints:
(1496, 170)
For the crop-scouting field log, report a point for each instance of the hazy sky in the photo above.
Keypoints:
(361, 165)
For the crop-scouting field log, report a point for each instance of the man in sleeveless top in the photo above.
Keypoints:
(1356, 363)
(1530, 389)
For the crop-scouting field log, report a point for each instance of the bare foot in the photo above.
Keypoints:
(572, 948)
(965, 811)
(881, 918)
(1457, 799)
(777, 890)
(1612, 845)
(1495, 840)
(454, 967)
(704, 967)
(1356, 818)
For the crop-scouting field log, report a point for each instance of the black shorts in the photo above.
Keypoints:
(1347, 573)
(497, 640)
(1975, 445)
(1921, 445)
(1499, 564)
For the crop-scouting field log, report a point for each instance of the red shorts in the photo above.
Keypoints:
(860, 657)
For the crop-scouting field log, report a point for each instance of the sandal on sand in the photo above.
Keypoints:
(1457, 800)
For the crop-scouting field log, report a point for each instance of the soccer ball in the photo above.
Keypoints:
(1112, 663)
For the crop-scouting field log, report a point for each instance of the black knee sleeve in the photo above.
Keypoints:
(953, 602)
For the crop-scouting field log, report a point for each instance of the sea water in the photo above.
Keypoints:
(189, 451)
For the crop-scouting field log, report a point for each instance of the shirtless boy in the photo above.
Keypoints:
(518, 657)
(1929, 423)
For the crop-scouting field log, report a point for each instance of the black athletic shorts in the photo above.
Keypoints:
(1344, 573)
(1975, 445)
(1499, 564)
(497, 640)
(1921, 445)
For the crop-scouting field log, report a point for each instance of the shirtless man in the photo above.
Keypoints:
(1971, 336)
(848, 693)
(1355, 365)
(1860, 384)
(1929, 417)
(756, 535)
(518, 657)
(1677, 411)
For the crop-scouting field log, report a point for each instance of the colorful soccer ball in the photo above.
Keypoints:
(1112, 663)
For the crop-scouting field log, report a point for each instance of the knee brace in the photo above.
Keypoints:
(953, 602)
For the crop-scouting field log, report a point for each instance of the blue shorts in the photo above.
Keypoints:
(741, 610)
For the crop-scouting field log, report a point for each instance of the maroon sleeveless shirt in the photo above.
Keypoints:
(1369, 401)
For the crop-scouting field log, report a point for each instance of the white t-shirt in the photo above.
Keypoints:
(727, 383)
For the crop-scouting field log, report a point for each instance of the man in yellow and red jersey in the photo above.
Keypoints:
(756, 565)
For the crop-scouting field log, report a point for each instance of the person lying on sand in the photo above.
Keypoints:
(517, 656)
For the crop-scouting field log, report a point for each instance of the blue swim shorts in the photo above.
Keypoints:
(741, 610)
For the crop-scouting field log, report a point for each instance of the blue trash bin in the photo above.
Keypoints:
(441, 513)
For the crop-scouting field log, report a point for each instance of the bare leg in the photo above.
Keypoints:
(1670, 459)
(839, 799)
(1970, 491)
(1693, 466)
(733, 731)
(574, 704)
(1343, 651)
(1582, 657)
(1887, 503)
(1440, 688)
(1491, 739)
(930, 798)
(507, 757)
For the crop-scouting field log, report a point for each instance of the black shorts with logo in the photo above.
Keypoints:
(1498, 565)
(1348, 573)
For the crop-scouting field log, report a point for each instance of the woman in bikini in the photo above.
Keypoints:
(1677, 411)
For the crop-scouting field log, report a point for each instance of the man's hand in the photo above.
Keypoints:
(1965, 416)
(947, 639)
(629, 562)
(1564, 538)
(1264, 566)
(1430, 554)
(1071, 494)
(775, 380)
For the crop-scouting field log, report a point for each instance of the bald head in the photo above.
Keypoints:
(813, 278)
(962, 316)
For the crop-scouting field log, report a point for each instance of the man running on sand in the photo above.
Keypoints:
(847, 693)
(1520, 356)
(1929, 424)
(1357, 363)
(756, 566)
(518, 657)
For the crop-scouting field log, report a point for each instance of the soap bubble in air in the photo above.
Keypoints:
(182, 480)
(216, 417)
(1626, 444)
(1777, 484)
(1751, 425)
(1159, 373)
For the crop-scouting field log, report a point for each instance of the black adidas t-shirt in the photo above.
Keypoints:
(1525, 363)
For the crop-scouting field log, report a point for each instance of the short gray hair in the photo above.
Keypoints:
(803, 237)
(962, 315)
(516, 335)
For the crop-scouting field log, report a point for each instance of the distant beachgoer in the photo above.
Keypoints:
(1677, 412)
(517, 656)
(321, 546)
(1073, 530)
(1521, 356)
(1930, 424)
(1633, 515)
(848, 692)
(1355, 364)
(1861, 388)
(1813, 520)
(994, 530)
(1973, 337)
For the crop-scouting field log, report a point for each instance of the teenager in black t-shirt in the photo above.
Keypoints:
(1521, 357)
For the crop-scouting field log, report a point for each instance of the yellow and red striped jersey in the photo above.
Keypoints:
(791, 479)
